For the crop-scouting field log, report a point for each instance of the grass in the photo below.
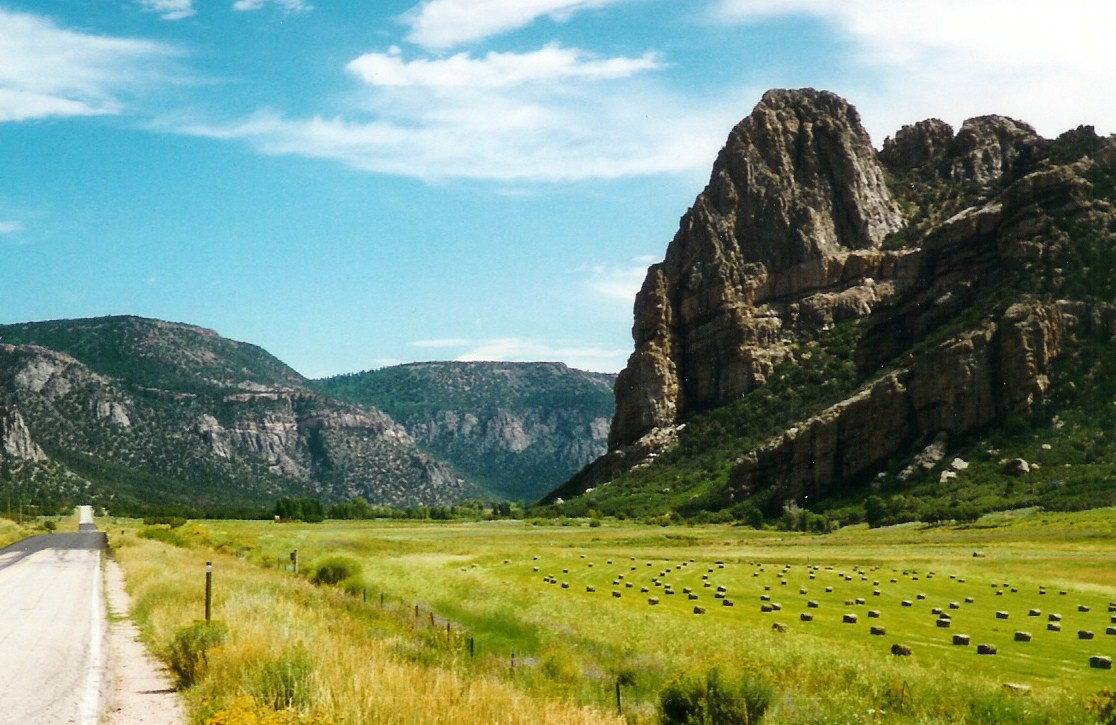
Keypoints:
(542, 650)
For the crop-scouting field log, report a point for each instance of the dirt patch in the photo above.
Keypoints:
(139, 689)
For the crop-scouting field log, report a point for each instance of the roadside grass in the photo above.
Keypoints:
(522, 594)
(314, 653)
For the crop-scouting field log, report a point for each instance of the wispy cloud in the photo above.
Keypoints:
(518, 349)
(50, 71)
(441, 24)
(619, 283)
(10, 227)
(494, 70)
(577, 355)
(554, 114)
(441, 343)
(170, 9)
(288, 6)
(956, 59)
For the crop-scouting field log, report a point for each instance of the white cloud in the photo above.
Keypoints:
(289, 6)
(619, 283)
(494, 70)
(170, 9)
(441, 343)
(444, 24)
(49, 71)
(575, 354)
(10, 227)
(1051, 67)
(554, 114)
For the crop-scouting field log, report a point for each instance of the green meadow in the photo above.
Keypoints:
(606, 618)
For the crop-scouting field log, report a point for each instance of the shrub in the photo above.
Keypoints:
(335, 570)
(284, 682)
(715, 696)
(188, 655)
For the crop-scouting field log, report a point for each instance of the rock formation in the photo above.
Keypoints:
(965, 301)
(785, 237)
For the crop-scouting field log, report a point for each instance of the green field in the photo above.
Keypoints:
(565, 612)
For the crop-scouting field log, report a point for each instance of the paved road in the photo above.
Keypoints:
(52, 628)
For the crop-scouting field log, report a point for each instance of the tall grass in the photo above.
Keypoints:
(309, 651)
(572, 645)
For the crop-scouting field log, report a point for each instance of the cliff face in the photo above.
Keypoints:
(158, 414)
(960, 306)
(784, 238)
(519, 429)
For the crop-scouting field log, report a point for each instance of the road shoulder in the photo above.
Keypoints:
(139, 689)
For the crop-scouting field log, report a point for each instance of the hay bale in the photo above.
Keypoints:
(954, 605)
(936, 610)
(1054, 617)
(1100, 662)
(1001, 615)
(873, 614)
(652, 601)
(643, 590)
(877, 631)
(565, 585)
(1110, 630)
(961, 640)
(806, 617)
(692, 596)
(1016, 688)
(1082, 608)
(1053, 627)
(1084, 634)
(726, 602)
(920, 597)
(944, 623)
(1022, 636)
(860, 601)
(907, 603)
(849, 619)
(778, 627)
(765, 597)
(986, 649)
(590, 589)
(969, 600)
(812, 604)
(616, 595)
(901, 650)
(699, 610)
(1034, 613)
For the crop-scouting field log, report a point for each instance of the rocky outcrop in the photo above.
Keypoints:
(964, 305)
(785, 236)
(962, 385)
(15, 438)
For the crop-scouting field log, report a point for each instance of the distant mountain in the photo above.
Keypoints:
(518, 429)
(926, 331)
(140, 414)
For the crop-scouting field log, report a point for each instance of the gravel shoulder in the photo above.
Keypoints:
(139, 688)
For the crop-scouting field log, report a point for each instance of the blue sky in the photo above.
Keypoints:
(357, 184)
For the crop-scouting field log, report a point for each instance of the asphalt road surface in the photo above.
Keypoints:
(52, 628)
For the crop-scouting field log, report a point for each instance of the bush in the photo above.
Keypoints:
(335, 570)
(284, 682)
(188, 655)
(714, 697)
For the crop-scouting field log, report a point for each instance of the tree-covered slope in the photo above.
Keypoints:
(518, 429)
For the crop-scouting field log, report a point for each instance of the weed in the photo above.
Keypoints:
(189, 650)
(715, 696)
